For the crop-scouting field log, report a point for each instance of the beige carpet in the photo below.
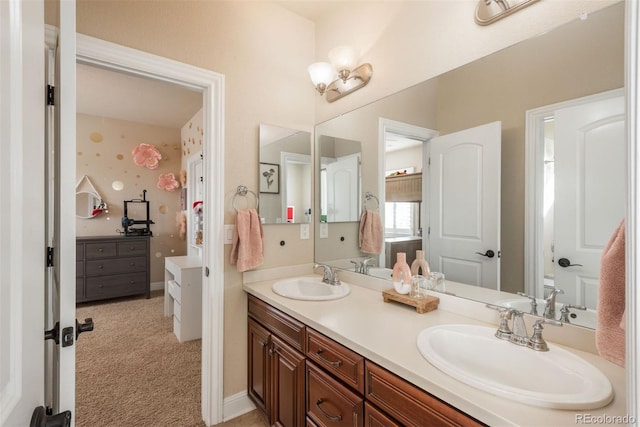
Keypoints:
(132, 371)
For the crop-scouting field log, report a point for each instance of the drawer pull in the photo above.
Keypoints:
(100, 250)
(328, 362)
(100, 267)
(334, 418)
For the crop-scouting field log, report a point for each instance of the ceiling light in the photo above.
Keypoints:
(343, 63)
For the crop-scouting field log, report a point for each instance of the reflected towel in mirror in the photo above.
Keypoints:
(610, 339)
(370, 232)
(247, 250)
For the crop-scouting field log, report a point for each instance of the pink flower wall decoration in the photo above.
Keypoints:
(146, 155)
(168, 181)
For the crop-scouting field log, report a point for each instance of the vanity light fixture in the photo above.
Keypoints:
(489, 11)
(343, 65)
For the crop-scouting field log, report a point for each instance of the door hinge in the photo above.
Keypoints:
(201, 179)
(51, 95)
(429, 161)
(49, 256)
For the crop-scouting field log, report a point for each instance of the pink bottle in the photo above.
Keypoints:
(401, 266)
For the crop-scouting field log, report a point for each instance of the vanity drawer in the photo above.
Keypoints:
(100, 250)
(120, 284)
(345, 364)
(409, 404)
(329, 403)
(376, 418)
(116, 266)
(136, 247)
(287, 328)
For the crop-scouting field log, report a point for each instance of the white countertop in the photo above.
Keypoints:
(386, 334)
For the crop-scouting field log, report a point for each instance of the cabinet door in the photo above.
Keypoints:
(288, 384)
(258, 369)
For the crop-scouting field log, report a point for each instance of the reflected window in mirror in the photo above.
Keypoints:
(285, 197)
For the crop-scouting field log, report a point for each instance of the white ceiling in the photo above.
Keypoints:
(116, 95)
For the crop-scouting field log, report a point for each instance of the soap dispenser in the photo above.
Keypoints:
(401, 274)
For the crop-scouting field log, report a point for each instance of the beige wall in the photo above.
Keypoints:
(264, 51)
(103, 149)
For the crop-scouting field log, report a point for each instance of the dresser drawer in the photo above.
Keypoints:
(345, 364)
(287, 328)
(100, 250)
(79, 251)
(135, 247)
(79, 268)
(79, 289)
(330, 403)
(375, 418)
(410, 405)
(116, 266)
(120, 284)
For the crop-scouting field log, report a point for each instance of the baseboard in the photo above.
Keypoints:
(237, 405)
(157, 286)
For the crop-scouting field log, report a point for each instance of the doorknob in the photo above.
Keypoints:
(488, 254)
(87, 326)
(564, 262)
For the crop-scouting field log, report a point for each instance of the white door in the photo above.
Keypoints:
(590, 193)
(23, 220)
(343, 189)
(464, 206)
(22, 243)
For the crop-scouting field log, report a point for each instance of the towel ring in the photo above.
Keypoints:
(368, 196)
(242, 190)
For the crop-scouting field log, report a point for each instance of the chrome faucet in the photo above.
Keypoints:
(519, 333)
(330, 276)
(550, 303)
(357, 266)
(564, 311)
(534, 303)
(366, 264)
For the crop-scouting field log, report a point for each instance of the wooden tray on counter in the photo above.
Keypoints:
(422, 305)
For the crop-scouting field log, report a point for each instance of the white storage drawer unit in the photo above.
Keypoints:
(183, 295)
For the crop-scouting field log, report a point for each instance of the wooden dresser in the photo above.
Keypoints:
(112, 266)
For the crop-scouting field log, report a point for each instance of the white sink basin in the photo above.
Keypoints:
(554, 379)
(310, 288)
(381, 272)
(586, 318)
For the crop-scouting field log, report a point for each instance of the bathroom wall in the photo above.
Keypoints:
(104, 149)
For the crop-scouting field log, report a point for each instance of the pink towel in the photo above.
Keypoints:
(370, 232)
(247, 250)
(610, 340)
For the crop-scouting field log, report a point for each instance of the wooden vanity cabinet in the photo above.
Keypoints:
(276, 365)
(296, 371)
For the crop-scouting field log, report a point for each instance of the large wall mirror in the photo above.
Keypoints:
(582, 58)
(284, 175)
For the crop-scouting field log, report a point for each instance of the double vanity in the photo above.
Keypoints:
(352, 359)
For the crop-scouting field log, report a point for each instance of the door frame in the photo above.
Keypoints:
(111, 56)
(534, 183)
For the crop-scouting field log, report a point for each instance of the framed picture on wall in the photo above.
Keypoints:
(269, 178)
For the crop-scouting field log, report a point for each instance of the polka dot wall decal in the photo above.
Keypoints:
(119, 157)
(158, 254)
(95, 137)
(138, 176)
(80, 153)
(163, 209)
(98, 154)
(173, 251)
